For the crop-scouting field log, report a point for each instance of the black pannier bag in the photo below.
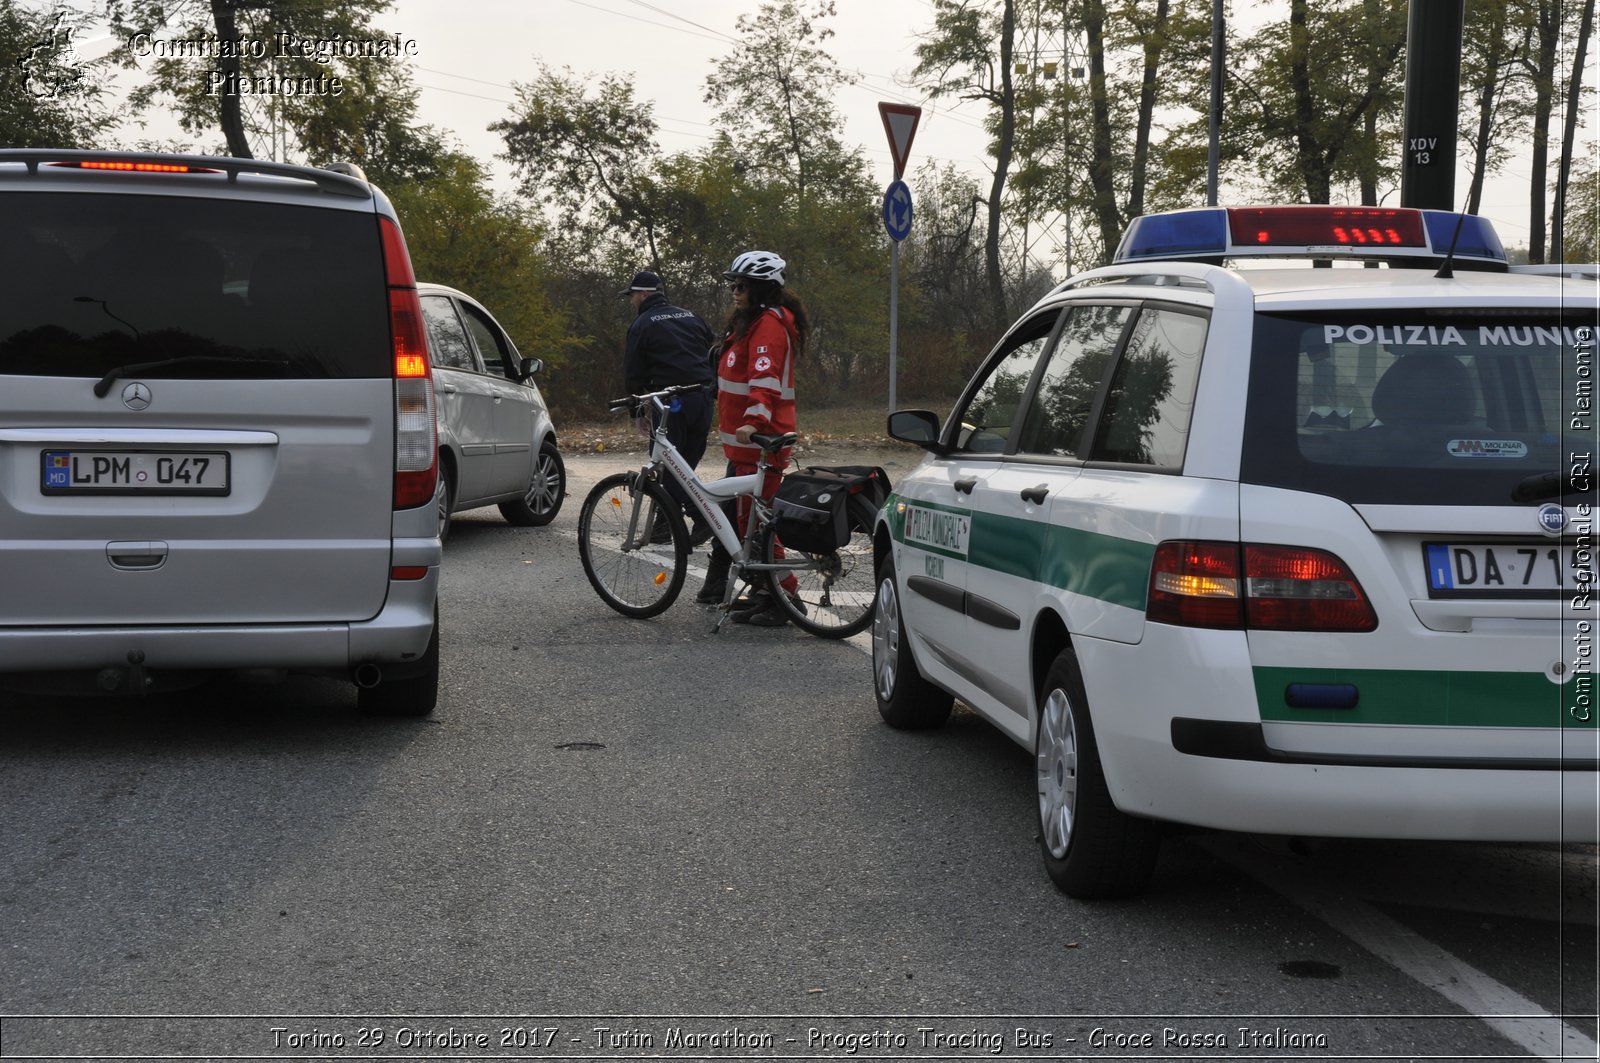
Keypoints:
(810, 508)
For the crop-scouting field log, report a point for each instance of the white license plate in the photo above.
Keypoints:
(133, 472)
(1508, 570)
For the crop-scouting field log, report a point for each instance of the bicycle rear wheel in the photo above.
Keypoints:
(836, 590)
(632, 575)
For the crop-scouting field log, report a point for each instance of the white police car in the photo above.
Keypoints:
(1264, 547)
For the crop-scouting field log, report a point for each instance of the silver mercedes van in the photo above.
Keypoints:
(217, 429)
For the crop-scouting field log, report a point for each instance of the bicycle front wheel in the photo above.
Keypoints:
(836, 590)
(632, 575)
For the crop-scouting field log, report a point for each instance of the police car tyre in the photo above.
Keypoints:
(547, 488)
(411, 695)
(444, 497)
(906, 700)
(642, 580)
(1091, 850)
(836, 591)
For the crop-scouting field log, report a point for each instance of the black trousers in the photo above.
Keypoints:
(687, 430)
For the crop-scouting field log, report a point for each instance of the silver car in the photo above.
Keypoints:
(497, 445)
(217, 430)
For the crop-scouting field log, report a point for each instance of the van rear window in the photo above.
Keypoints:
(1417, 407)
(189, 287)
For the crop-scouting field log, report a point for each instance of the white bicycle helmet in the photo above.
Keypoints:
(757, 265)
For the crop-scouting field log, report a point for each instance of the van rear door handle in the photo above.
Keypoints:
(137, 554)
(965, 486)
(1035, 494)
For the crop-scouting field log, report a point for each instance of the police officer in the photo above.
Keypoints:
(668, 345)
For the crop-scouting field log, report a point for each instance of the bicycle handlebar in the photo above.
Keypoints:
(634, 402)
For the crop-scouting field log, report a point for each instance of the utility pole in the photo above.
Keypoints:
(1433, 95)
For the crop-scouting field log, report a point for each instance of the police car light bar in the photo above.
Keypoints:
(1312, 232)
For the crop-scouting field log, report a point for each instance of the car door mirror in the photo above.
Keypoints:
(529, 367)
(917, 426)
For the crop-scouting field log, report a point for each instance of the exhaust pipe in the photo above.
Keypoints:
(368, 675)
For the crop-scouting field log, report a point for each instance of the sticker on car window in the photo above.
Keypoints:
(1486, 448)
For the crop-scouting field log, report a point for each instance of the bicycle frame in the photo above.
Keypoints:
(708, 496)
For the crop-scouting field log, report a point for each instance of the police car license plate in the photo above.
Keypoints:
(1502, 570)
(133, 472)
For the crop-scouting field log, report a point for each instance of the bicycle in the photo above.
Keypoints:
(640, 578)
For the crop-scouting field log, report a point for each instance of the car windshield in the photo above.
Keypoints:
(201, 287)
(1419, 407)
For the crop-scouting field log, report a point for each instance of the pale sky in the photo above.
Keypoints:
(468, 53)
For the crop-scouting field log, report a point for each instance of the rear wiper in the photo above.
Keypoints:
(1545, 485)
(105, 382)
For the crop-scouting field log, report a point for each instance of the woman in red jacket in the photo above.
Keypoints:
(766, 334)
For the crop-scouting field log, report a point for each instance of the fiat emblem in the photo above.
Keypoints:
(136, 396)
(1552, 518)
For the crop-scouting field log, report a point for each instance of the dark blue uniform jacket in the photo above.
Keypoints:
(667, 345)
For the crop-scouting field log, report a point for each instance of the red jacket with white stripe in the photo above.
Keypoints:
(755, 383)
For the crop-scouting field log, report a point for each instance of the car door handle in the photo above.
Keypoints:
(448, 389)
(965, 486)
(1035, 494)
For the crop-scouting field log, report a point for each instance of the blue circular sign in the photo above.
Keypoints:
(897, 210)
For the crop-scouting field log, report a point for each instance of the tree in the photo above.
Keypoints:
(591, 157)
(49, 97)
(1575, 93)
(776, 95)
(968, 54)
(1311, 103)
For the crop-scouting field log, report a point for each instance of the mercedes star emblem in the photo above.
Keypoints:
(136, 396)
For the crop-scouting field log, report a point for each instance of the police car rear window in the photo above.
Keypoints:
(1415, 407)
(206, 287)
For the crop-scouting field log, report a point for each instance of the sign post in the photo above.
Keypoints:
(900, 123)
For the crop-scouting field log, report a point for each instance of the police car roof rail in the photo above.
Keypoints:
(1581, 271)
(1226, 285)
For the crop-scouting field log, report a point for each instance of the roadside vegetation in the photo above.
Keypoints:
(1096, 113)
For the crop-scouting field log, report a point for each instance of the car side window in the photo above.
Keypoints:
(447, 339)
(1062, 405)
(492, 343)
(1150, 400)
(992, 409)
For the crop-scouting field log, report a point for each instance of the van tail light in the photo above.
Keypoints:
(416, 441)
(1255, 586)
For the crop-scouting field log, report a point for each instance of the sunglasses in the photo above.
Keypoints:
(738, 286)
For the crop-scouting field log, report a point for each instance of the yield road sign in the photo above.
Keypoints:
(897, 211)
(900, 122)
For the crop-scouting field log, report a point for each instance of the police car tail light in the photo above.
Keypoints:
(416, 443)
(1196, 585)
(1290, 588)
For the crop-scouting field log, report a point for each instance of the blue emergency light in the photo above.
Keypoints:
(1392, 233)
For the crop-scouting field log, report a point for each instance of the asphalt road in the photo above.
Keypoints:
(711, 833)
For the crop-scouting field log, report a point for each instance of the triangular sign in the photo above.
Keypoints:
(900, 122)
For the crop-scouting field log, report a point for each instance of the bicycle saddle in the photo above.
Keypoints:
(771, 444)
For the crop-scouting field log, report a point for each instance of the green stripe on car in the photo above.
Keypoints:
(1423, 698)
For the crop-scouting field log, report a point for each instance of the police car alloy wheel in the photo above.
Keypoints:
(905, 699)
(1090, 849)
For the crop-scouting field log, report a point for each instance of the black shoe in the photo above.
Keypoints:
(699, 534)
(716, 584)
(660, 532)
(773, 615)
